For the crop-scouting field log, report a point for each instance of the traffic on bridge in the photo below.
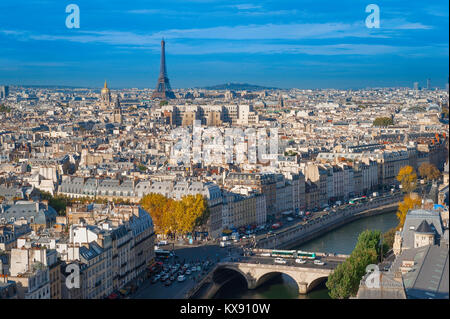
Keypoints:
(292, 258)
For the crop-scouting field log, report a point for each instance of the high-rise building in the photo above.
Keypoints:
(428, 84)
(4, 91)
(416, 86)
(163, 89)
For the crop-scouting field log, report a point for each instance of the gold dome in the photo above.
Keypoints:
(105, 89)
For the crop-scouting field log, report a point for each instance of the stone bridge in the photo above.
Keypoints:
(306, 276)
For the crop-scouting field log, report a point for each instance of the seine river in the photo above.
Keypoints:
(341, 240)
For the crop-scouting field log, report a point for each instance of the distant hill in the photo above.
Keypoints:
(239, 87)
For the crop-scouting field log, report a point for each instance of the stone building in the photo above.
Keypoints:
(421, 227)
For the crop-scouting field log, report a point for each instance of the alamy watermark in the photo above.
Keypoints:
(73, 279)
(73, 19)
(373, 279)
(214, 145)
(373, 19)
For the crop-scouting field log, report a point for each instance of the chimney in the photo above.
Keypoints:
(4, 278)
(428, 205)
(398, 276)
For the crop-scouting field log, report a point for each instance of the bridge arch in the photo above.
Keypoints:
(269, 275)
(316, 282)
(224, 273)
(306, 278)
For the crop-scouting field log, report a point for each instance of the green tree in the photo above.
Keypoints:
(4, 109)
(388, 239)
(142, 167)
(290, 153)
(383, 121)
(407, 178)
(57, 202)
(344, 281)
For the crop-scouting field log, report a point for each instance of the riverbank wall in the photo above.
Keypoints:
(303, 232)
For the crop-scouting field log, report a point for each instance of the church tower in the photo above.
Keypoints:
(117, 116)
(105, 99)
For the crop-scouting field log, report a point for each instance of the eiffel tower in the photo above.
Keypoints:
(163, 89)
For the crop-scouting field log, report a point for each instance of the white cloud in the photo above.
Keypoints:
(206, 48)
(271, 31)
(240, 32)
(245, 6)
(437, 11)
(263, 38)
(402, 24)
(413, 26)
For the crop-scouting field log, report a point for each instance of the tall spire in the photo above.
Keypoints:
(163, 89)
(105, 86)
(163, 70)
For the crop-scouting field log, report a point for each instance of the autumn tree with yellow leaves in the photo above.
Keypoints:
(407, 178)
(429, 171)
(176, 217)
(410, 201)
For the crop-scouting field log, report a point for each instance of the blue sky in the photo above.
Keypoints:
(296, 43)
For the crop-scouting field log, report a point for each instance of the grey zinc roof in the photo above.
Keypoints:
(429, 277)
(93, 251)
(424, 228)
(414, 218)
(389, 289)
(433, 193)
(10, 192)
(29, 210)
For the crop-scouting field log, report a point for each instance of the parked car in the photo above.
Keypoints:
(188, 272)
(300, 261)
(318, 262)
(181, 278)
(276, 225)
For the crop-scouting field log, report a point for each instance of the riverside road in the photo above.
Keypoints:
(177, 290)
(213, 252)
